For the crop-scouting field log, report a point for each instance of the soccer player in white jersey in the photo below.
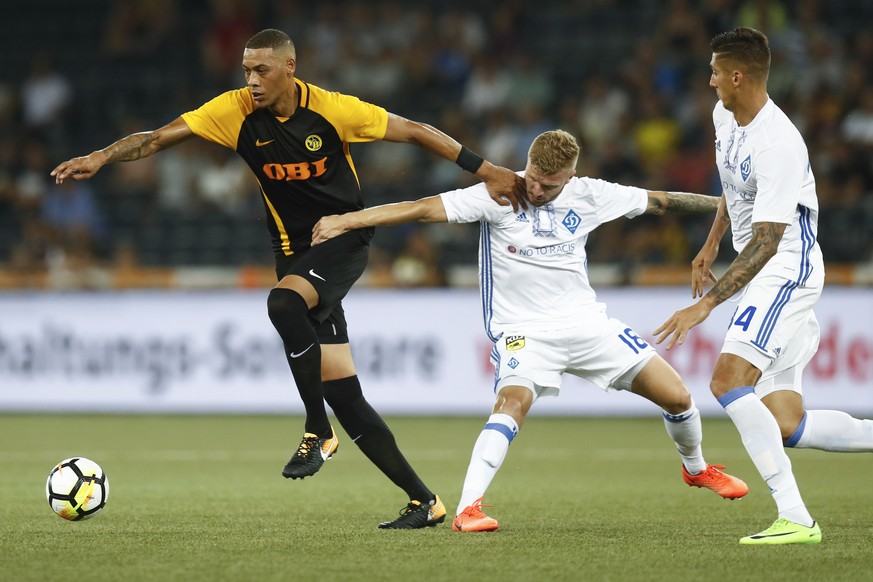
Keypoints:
(770, 204)
(542, 313)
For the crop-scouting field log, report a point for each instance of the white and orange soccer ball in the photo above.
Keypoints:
(77, 488)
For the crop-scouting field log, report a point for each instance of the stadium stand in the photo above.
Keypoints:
(492, 75)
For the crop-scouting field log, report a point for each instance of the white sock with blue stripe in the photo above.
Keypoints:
(488, 454)
(687, 433)
(832, 430)
(763, 441)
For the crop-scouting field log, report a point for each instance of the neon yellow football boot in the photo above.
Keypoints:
(784, 531)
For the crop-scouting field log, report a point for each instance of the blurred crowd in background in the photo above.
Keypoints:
(629, 78)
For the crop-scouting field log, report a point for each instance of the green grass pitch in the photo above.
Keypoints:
(202, 498)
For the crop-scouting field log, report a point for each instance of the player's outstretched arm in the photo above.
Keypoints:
(429, 209)
(701, 265)
(504, 185)
(762, 246)
(132, 147)
(661, 203)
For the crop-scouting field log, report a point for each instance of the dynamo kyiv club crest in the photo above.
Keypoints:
(571, 222)
(746, 168)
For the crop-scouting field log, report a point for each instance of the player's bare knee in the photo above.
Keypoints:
(511, 407)
(678, 402)
(721, 384)
(514, 401)
(667, 392)
(718, 389)
(732, 371)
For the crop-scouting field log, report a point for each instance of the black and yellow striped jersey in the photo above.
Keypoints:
(302, 162)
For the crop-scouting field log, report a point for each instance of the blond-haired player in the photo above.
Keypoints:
(541, 312)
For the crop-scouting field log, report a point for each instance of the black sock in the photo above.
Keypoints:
(290, 317)
(373, 436)
(306, 370)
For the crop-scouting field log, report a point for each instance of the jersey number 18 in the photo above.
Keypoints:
(632, 340)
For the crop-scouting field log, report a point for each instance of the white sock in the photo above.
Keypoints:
(488, 454)
(763, 441)
(832, 430)
(687, 433)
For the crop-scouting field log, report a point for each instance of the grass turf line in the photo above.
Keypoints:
(201, 498)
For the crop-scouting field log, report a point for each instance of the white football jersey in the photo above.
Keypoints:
(766, 177)
(532, 263)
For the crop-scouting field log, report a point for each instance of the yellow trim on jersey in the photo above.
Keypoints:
(353, 119)
(348, 154)
(220, 119)
(280, 226)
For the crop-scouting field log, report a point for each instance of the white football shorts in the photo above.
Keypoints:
(775, 329)
(606, 352)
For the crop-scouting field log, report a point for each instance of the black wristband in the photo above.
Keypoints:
(468, 160)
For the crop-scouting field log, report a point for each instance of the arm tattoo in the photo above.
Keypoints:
(684, 203)
(756, 253)
(661, 203)
(132, 147)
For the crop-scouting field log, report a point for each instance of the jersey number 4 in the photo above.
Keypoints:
(745, 318)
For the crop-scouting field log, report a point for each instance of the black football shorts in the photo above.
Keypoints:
(332, 267)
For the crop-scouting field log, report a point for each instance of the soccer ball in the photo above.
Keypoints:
(77, 488)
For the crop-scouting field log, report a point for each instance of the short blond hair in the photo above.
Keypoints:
(553, 151)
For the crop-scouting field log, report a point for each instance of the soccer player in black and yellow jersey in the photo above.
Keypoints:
(295, 137)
